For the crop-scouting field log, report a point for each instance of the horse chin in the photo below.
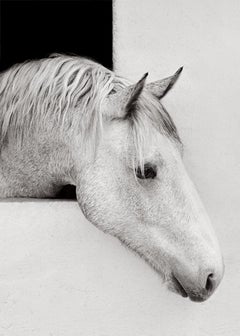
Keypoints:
(175, 286)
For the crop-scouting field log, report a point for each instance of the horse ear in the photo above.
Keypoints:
(161, 87)
(123, 101)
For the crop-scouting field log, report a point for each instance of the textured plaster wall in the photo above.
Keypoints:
(203, 36)
(59, 276)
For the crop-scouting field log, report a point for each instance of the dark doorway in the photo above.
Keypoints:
(35, 29)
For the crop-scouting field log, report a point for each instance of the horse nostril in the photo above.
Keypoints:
(209, 282)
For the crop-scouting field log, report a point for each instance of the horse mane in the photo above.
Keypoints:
(66, 92)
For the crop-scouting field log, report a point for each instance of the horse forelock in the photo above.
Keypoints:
(65, 93)
(149, 115)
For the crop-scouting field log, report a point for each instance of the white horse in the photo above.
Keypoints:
(68, 120)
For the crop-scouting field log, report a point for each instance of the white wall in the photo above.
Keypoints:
(159, 36)
(61, 276)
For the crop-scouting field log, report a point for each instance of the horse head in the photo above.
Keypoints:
(138, 190)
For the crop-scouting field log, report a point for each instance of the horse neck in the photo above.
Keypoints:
(36, 168)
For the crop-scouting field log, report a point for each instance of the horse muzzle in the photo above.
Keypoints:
(198, 286)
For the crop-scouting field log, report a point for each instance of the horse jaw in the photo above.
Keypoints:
(163, 220)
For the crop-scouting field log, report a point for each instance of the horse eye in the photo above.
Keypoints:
(149, 172)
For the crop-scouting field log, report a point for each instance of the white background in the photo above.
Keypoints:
(61, 276)
(204, 37)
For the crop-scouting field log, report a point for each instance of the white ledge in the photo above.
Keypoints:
(59, 275)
